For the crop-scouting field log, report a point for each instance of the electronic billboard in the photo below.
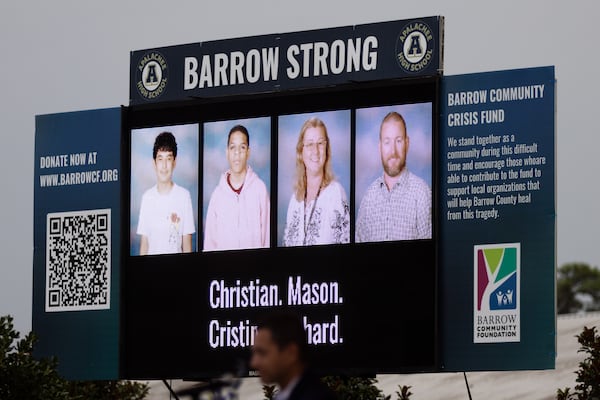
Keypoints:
(263, 173)
(368, 302)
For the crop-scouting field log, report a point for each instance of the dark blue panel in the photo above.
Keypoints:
(296, 60)
(497, 185)
(77, 236)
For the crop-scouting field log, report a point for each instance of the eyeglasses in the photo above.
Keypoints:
(313, 145)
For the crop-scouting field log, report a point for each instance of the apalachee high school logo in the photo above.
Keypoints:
(152, 75)
(414, 47)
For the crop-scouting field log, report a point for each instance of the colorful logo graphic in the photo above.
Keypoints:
(497, 278)
(496, 292)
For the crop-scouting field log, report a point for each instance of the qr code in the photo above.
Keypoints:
(78, 260)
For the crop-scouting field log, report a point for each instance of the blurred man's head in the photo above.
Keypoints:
(279, 350)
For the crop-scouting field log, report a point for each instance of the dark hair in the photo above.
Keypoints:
(286, 328)
(165, 141)
(239, 128)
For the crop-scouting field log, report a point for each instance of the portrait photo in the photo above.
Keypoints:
(236, 184)
(164, 221)
(313, 179)
(393, 172)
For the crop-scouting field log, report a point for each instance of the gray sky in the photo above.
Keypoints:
(60, 56)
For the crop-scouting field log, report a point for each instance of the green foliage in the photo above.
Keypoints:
(574, 278)
(108, 390)
(351, 388)
(24, 377)
(269, 391)
(355, 388)
(588, 374)
(403, 393)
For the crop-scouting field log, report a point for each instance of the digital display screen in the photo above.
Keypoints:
(321, 201)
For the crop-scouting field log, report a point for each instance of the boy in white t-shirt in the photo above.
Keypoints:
(166, 222)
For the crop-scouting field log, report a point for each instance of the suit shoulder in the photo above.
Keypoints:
(311, 387)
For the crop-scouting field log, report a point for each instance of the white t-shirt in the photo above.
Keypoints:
(165, 218)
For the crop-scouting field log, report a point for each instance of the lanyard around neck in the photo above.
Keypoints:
(312, 210)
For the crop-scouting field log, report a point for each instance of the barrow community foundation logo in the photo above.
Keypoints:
(414, 47)
(152, 75)
(497, 270)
